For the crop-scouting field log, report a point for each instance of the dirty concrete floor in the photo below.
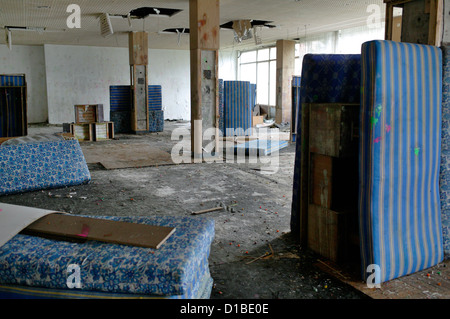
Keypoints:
(256, 223)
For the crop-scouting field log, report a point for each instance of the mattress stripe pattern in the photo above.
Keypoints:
(221, 108)
(120, 106)
(400, 137)
(445, 152)
(12, 80)
(238, 108)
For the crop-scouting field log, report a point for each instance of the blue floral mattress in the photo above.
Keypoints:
(400, 136)
(42, 165)
(179, 269)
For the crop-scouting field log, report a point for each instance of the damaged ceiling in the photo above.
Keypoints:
(280, 19)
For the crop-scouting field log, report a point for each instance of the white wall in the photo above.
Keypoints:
(30, 61)
(171, 69)
(228, 65)
(83, 75)
(61, 76)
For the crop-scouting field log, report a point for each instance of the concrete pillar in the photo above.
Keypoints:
(138, 52)
(285, 73)
(204, 16)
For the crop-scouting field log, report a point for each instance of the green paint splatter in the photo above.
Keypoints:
(374, 121)
(417, 151)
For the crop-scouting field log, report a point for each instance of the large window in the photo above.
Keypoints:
(260, 67)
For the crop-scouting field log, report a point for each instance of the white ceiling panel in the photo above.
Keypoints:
(292, 19)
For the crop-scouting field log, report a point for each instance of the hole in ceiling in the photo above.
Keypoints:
(255, 23)
(144, 12)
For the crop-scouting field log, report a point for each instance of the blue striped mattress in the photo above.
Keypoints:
(42, 165)
(238, 107)
(12, 80)
(121, 98)
(400, 143)
(326, 78)
(445, 152)
(221, 108)
(35, 267)
(12, 119)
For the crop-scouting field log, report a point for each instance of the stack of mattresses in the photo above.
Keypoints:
(35, 267)
(155, 111)
(445, 153)
(13, 106)
(239, 101)
(41, 165)
(326, 78)
(120, 108)
(221, 108)
(400, 143)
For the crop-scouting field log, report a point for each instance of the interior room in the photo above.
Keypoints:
(224, 149)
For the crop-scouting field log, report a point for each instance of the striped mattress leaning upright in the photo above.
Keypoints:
(400, 143)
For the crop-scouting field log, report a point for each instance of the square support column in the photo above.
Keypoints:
(285, 73)
(204, 23)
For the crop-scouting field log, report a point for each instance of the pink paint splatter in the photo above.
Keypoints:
(378, 140)
(388, 128)
(84, 231)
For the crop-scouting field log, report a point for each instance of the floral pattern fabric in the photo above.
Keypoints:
(179, 268)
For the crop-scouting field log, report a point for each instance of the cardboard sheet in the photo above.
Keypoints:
(14, 219)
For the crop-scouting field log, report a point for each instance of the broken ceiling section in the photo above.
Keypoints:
(247, 29)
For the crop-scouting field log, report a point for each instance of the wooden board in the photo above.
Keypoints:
(119, 156)
(88, 113)
(138, 48)
(75, 227)
(328, 233)
(433, 283)
(334, 129)
(321, 180)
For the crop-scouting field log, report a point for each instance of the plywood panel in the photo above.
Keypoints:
(138, 46)
(75, 227)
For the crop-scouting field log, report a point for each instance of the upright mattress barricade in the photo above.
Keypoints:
(326, 78)
(445, 152)
(400, 144)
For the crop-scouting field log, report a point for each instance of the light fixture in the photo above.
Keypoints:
(106, 28)
(8, 38)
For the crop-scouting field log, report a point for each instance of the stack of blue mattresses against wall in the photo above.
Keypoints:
(445, 152)
(326, 78)
(400, 143)
(179, 269)
(13, 106)
(120, 106)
